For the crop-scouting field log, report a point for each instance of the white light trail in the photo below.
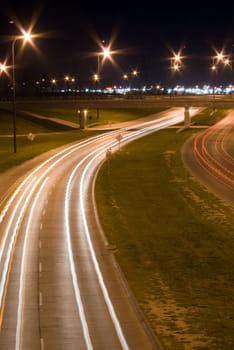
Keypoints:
(79, 303)
(28, 182)
(96, 264)
(10, 249)
(162, 123)
(67, 150)
(22, 269)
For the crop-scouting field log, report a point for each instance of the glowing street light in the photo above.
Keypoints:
(226, 61)
(177, 58)
(26, 37)
(220, 57)
(176, 67)
(176, 62)
(3, 67)
(219, 60)
(106, 53)
(95, 77)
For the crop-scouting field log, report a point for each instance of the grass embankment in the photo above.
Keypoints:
(47, 136)
(94, 116)
(173, 239)
(27, 149)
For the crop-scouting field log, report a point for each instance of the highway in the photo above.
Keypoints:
(60, 286)
(210, 157)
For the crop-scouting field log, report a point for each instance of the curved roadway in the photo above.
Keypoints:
(60, 287)
(210, 157)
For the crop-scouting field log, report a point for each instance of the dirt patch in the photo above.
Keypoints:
(168, 157)
(210, 212)
(172, 322)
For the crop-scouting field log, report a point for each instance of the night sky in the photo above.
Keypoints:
(143, 37)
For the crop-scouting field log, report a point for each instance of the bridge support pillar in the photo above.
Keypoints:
(187, 119)
(82, 112)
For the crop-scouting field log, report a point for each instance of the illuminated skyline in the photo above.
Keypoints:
(144, 36)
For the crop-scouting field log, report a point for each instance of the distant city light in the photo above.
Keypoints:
(144, 90)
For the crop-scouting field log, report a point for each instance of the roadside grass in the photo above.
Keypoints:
(23, 126)
(102, 116)
(54, 136)
(210, 116)
(173, 241)
(27, 149)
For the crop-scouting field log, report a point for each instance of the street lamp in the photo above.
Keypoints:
(95, 77)
(176, 62)
(106, 53)
(26, 36)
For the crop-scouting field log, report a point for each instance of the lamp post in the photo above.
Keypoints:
(176, 62)
(26, 37)
(98, 68)
(106, 54)
(214, 72)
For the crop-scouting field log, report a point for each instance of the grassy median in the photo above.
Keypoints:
(95, 116)
(49, 135)
(27, 149)
(173, 241)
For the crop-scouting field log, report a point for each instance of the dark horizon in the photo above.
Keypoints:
(143, 38)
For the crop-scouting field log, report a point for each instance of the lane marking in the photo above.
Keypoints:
(21, 298)
(107, 299)
(42, 343)
(9, 253)
(40, 299)
(64, 153)
(79, 303)
(95, 262)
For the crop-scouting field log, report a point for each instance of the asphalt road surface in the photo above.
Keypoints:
(210, 157)
(60, 287)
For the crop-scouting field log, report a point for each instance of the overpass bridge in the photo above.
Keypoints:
(126, 101)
